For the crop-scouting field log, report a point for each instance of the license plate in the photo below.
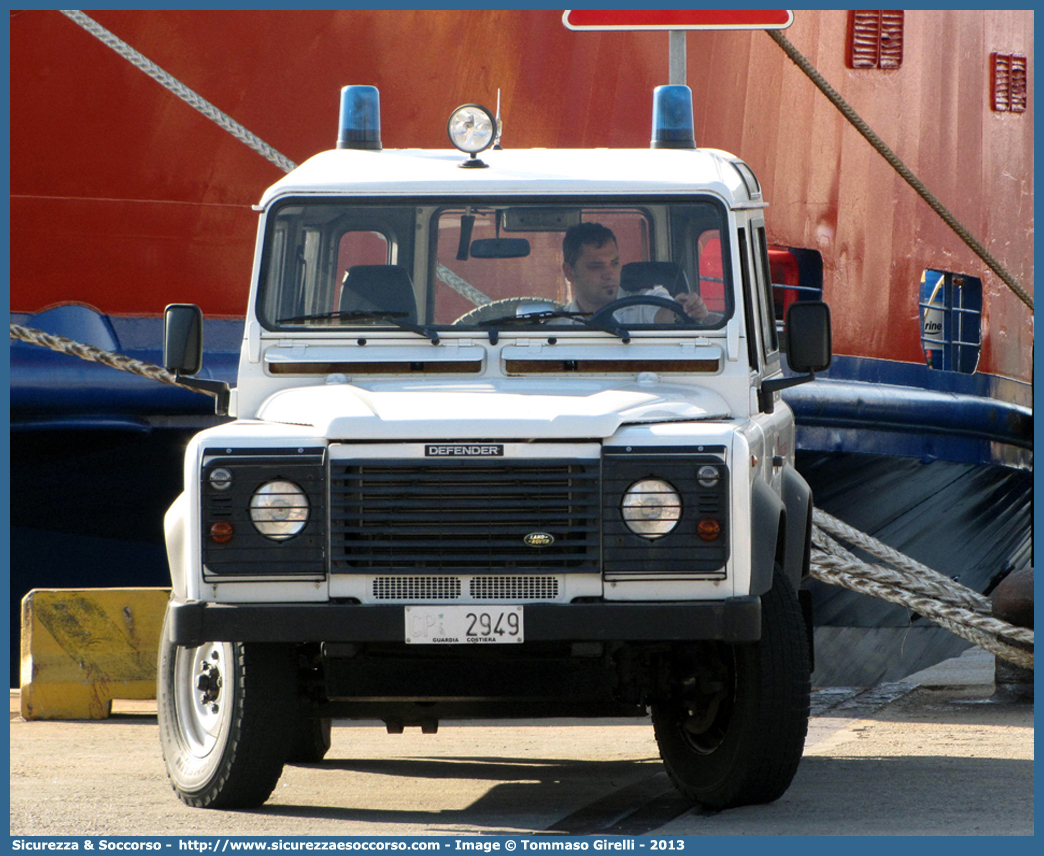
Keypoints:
(463, 625)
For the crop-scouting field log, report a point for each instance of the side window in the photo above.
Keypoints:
(315, 284)
(748, 303)
(362, 248)
(951, 320)
(712, 274)
(276, 260)
(764, 286)
(359, 248)
(797, 274)
(699, 244)
(295, 275)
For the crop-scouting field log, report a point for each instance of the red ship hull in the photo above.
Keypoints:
(126, 198)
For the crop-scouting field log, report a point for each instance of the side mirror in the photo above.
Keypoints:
(809, 341)
(183, 338)
(809, 349)
(183, 352)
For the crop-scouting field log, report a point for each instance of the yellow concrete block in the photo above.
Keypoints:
(81, 648)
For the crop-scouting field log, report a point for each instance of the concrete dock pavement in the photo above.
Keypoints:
(974, 668)
(933, 754)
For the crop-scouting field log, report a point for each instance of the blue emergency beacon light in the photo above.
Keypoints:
(360, 120)
(672, 126)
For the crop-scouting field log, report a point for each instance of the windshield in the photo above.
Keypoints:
(495, 265)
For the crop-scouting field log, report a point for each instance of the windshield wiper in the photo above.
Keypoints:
(394, 318)
(546, 314)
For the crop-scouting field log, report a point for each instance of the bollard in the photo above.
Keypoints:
(1012, 601)
(82, 648)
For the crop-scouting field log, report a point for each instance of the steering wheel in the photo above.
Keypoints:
(605, 313)
(500, 308)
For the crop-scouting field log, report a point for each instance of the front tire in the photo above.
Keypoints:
(223, 711)
(733, 731)
(311, 740)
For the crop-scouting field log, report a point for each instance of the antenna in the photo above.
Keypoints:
(500, 127)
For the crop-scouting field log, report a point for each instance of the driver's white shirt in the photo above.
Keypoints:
(643, 313)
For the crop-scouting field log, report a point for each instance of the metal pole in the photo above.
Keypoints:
(677, 57)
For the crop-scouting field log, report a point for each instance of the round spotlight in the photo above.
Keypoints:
(472, 128)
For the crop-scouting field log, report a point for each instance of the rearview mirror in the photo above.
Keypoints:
(183, 353)
(809, 341)
(500, 248)
(183, 338)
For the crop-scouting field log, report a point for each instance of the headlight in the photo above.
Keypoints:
(651, 508)
(279, 510)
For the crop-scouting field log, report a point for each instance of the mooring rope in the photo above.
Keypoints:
(846, 110)
(957, 608)
(97, 355)
(142, 62)
(928, 582)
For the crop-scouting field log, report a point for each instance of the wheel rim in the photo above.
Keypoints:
(704, 716)
(203, 697)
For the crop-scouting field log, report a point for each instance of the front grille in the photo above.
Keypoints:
(416, 588)
(464, 516)
(434, 588)
(514, 588)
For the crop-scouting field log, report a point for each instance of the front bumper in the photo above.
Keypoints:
(736, 619)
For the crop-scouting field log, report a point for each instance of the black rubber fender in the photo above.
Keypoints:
(797, 498)
(767, 515)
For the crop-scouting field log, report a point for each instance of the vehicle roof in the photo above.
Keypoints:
(416, 172)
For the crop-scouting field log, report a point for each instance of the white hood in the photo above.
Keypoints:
(488, 409)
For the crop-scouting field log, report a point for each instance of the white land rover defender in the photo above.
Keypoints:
(450, 492)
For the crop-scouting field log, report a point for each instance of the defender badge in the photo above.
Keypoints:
(539, 539)
(464, 450)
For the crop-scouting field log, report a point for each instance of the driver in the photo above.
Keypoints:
(592, 266)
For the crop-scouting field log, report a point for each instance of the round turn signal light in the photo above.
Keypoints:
(708, 529)
(221, 532)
